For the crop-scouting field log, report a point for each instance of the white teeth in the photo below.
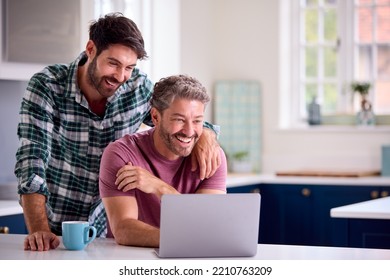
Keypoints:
(111, 84)
(185, 140)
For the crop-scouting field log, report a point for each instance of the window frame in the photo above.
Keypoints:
(345, 68)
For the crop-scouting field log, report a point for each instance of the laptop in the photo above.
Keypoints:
(209, 225)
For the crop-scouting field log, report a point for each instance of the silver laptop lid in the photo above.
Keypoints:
(209, 225)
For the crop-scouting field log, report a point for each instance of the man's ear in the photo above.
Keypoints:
(90, 49)
(156, 116)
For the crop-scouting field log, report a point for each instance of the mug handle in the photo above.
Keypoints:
(88, 239)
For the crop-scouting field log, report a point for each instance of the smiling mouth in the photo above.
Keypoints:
(183, 139)
(112, 83)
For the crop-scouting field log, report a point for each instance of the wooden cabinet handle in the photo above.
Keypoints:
(384, 193)
(306, 192)
(374, 194)
(4, 230)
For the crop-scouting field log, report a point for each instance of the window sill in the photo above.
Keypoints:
(350, 120)
(338, 128)
(343, 123)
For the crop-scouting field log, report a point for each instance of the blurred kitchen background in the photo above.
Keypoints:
(246, 53)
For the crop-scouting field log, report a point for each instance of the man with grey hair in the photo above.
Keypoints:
(138, 169)
(69, 114)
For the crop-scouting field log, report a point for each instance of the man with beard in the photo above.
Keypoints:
(136, 170)
(69, 114)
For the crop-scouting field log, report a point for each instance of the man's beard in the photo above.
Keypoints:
(98, 82)
(169, 140)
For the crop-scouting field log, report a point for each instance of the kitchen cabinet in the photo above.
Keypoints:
(299, 214)
(15, 223)
(367, 224)
(365, 233)
(332, 232)
(42, 36)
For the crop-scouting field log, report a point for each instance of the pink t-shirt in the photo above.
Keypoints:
(140, 151)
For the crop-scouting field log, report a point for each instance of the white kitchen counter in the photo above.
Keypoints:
(236, 180)
(10, 207)
(372, 209)
(106, 249)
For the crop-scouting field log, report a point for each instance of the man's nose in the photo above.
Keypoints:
(121, 74)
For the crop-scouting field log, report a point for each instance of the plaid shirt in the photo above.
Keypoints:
(62, 140)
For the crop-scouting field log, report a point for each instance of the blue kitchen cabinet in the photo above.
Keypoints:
(15, 223)
(299, 214)
(368, 233)
(296, 215)
(286, 213)
(333, 231)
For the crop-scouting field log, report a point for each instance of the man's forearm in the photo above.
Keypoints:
(133, 232)
(34, 209)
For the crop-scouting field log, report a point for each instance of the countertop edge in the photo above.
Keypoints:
(373, 209)
(237, 180)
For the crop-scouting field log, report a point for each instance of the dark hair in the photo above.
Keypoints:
(179, 86)
(115, 28)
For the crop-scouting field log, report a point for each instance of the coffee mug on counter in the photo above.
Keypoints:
(75, 234)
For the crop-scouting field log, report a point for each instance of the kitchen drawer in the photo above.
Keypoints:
(15, 223)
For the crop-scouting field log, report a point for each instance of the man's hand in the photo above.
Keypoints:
(40, 237)
(41, 241)
(130, 177)
(206, 154)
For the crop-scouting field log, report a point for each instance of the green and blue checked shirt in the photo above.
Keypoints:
(62, 140)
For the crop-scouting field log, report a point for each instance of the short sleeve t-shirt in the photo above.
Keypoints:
(140, 151)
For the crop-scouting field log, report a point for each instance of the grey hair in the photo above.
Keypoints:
(179, 86)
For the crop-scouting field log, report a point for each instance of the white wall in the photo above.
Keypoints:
(240, 39)
(10, 97)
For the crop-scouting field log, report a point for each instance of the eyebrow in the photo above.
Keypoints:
(183, 116)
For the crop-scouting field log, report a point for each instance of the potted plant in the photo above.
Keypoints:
(240, 162)
(365, 116)
(363, 89)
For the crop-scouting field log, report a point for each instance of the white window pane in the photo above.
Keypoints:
(311, 62)
(330, 25)
(330, 62)
(382, 98)
(364, 25)
(383, 63)
(311, 91)
(311, 26)
(329, 104)
(364, 63)
(383, 24)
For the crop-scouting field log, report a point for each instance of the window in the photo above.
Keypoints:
(339, 42)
